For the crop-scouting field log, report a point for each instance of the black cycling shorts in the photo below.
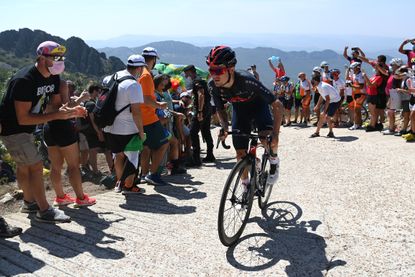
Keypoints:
(382, 101)
(60, 133)
(243, 113)
(349, 99)
(297, 103)
(288, 103)
(316, 98)
(372, 99)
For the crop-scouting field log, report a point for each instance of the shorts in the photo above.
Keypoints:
(93, 141)
(372, 99)
(382, 101)
(316, 98)
(333, 107)
(358, 101)
(242, 116)
(22, 148)
(395, 100)
(349, 99)
(156, 136)
(288, 103)
(117, 143)
(297, 103)
(405, 106)
(305, 102)
(83, 143)
(60, 133)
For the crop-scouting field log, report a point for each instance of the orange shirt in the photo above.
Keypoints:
(148, 113)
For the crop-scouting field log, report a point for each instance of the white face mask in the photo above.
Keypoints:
(57, 68)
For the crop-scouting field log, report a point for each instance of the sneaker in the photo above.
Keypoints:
(371, 129)
(209, 159)
(355, 127)
(52, 215)
(87, 201)
(388, 132)
(29, 208)
(64, 201)
(330, 135)
(118, 187)
(401, 133)
(133, 190)
(410, 137)
(273, 173)
(315, 135)
(154, 179)
(379, 126)
(7, 231)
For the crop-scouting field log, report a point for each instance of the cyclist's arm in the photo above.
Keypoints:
(223, 118)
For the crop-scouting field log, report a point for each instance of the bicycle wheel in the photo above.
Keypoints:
(365, 114)
(265, 190)
(236, 203)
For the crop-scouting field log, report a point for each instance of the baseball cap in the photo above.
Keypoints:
(150, 51)
(190, 67)
(187, 93)
(136, 60)
(50, 48)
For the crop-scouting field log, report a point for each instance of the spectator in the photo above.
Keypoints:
(394, 82)
(357, 83)
(156, 143)
(254, 72)
(127, 130)
(305, 92)
(22, 107)
(409, 53)
(62, 141)
(202, 112)
(331, 99)
(287, 98)
(93, 134)
(279, 70)
(356, 52)
(340, 86)
(325, 75)
(166, 118)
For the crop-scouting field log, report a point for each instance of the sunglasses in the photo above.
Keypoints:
(55, 58)
(217, 70)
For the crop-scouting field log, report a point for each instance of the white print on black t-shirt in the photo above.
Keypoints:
(45, 89)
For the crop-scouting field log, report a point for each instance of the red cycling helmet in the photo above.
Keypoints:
(221, 55)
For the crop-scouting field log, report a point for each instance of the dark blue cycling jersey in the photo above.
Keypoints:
(250, 101)
(245, 88)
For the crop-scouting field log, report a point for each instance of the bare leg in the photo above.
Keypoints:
(71, 156)
(144, 160)
(56, 160)
(157, 157)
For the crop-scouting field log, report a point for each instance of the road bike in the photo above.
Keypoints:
(237, 198)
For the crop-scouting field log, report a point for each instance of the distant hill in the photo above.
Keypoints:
(185, 53)
(17, 48)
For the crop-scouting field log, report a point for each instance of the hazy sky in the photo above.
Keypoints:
(105, 19)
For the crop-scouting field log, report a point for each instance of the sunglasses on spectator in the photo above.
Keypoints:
(217, 70)
(55, 58)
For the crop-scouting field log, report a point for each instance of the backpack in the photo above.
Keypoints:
(104, 111)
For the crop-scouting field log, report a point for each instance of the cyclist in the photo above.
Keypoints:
(325, 74)
(340, 86)
(305, 92)
(250, 100)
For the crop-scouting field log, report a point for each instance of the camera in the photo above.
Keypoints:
(354, 48)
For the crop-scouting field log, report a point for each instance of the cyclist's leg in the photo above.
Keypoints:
(241, 122)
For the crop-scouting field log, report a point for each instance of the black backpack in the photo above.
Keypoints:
(104, 111)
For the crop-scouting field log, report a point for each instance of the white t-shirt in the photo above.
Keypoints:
(339, 85)
(305, 85)
(359, 79)
(129, 92)
(326, 89)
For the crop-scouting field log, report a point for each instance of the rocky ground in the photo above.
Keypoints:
(342, 207)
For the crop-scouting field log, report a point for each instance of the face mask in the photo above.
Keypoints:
(57, 68)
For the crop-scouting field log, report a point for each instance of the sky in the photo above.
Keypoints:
(105, 19)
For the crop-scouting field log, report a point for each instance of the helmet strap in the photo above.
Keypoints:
(229, 77)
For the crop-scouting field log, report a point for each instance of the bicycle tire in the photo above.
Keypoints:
(263, 196)
(231, 185)
(365, 114)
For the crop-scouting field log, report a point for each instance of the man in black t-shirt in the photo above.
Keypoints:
(22, 108)
(202, 116)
